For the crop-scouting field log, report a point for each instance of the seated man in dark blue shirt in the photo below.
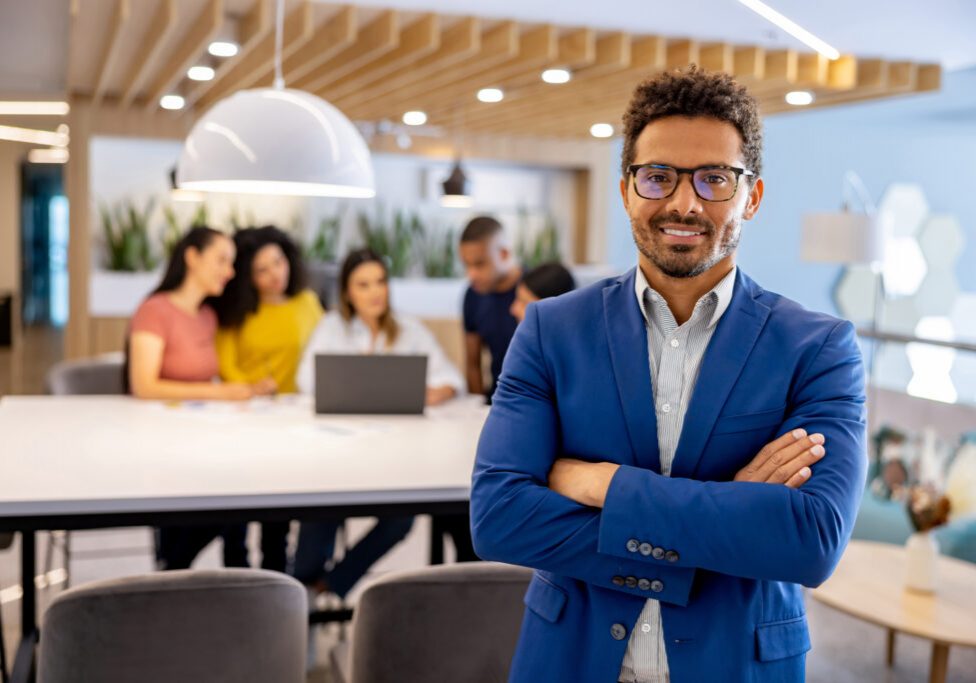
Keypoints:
(493, 273)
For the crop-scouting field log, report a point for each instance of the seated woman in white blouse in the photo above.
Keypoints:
(365, 324)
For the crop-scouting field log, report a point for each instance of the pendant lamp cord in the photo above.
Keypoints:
(279, 81)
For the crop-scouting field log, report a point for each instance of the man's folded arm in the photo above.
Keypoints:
(758, 530)
(515, 517)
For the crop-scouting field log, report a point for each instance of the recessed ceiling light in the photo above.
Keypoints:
(556, 76)
(171, 102)
(491, 95)
(31, 136)
(34, 108)
(601, 130)
(415, 118)
(52, 155)
(222, 48)
(791, 27)
(200, 73)
(799, 98)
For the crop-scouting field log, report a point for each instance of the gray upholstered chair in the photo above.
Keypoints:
(91, 376)
(456, 622)
(101, 375)
(233, 625)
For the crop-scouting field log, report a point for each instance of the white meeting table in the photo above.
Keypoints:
(95, 462)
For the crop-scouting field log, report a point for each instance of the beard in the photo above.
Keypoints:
(679, 260)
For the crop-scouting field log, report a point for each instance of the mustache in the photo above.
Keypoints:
(701, 223)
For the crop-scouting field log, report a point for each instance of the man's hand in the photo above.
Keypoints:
(584, 482)
(786, 460)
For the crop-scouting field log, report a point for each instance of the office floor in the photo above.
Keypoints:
(845, 650)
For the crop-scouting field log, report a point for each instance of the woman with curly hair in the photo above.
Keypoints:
(266, 317)
(266, 313)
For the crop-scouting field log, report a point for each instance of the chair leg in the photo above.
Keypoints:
(67, 560)
(3, 651)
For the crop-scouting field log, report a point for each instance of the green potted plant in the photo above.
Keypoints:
(174, 230)
(439, 254)
(536, 247)
(395, 241)
(125, 229)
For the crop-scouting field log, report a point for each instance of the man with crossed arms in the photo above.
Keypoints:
(675, 451)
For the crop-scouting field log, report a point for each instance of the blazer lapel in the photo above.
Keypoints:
(730, 346)
(627, 338)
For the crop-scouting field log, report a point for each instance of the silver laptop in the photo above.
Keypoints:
(375, 384)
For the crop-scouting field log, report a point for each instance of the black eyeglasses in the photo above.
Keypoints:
(711, 183)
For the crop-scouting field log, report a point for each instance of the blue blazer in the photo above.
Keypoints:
(725, 559)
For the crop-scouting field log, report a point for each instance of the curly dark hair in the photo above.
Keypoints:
(240, 297)
(694, 92)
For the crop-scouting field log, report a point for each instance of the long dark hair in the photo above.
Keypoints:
(240, 297)
(355, 259)
(199, 238)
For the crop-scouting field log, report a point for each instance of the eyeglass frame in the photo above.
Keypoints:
(739, 172)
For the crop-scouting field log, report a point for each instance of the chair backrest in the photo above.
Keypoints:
(101, 375)
(240, 625)
(455, 622)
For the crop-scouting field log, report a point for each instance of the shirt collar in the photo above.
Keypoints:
(722, 291)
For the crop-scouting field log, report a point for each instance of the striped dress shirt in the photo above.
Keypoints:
(674, 354)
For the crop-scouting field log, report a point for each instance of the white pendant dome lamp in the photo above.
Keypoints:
(276, 141)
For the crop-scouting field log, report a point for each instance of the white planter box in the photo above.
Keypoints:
(428, 297)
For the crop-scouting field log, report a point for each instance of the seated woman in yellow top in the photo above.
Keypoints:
(266, 316)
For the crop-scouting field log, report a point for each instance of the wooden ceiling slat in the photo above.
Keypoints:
(538, 49)
(872, 73)
(498, 45)
(576, 50)
(257, 61)
(842, 73)
(781, 66)
(612, 54)
(458, 43)
(717, 57)
(255, 25)
(416, 41)
(111, 53)
(334, 35)
(681, 53)
(812, 70)
(749, 63)
(647, 56)
(204, 30)
(380, 37)
(159, 31)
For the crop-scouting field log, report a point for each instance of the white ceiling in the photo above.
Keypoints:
(34, 33)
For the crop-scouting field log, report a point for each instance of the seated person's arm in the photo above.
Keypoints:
(472, 363)
(145, 362)
(444, 382)
(230, 371)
